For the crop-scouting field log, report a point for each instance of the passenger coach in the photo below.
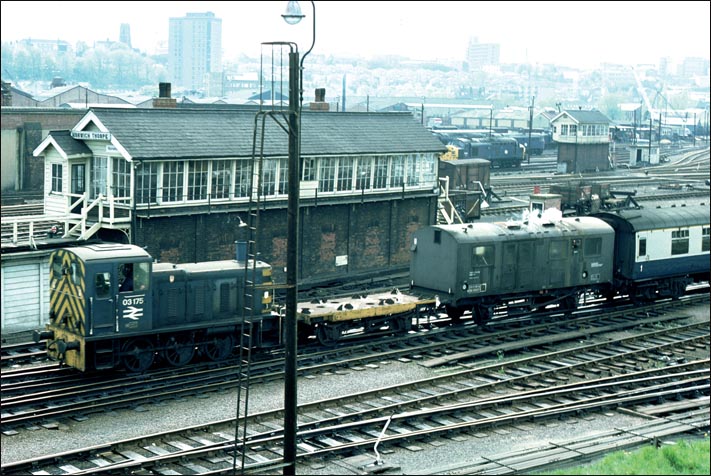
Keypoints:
(660, 251)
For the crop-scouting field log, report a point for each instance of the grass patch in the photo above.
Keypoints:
(683, 457)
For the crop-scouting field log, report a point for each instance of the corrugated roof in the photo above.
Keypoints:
(194, 133)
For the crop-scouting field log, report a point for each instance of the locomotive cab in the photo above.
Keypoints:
(96, 291)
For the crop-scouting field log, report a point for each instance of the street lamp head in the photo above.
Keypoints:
(293, 14)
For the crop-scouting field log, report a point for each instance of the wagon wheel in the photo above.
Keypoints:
(570, 303)
(218, 347)
(179, 351)
(137, 355)
(678, 289)
(400, 325)
(328, 334)
(454, 313)
(482, 314)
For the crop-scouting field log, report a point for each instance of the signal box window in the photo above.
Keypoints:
(57, 178)
(680, 242)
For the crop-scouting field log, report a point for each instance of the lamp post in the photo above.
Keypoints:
(293, 16)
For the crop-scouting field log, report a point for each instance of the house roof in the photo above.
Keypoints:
(164, 134)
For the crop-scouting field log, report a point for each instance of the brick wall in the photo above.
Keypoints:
(336, 241)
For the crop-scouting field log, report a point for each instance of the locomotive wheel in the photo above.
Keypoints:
(328, 335)
(218, 347)
(137, 355)
(179, 351)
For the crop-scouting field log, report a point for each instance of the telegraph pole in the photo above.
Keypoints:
(530, 126)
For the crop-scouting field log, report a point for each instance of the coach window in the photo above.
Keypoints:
(557, 250)
(680, 242)
(705, 238)
(593, 247)
(483, 256)
(642, 247)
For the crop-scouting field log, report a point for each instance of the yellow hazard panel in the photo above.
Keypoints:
(75, 358)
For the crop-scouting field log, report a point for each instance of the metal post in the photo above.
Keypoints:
(491, 117)
(292, 220)
(649, 147)
(530, 126)
(296, 69)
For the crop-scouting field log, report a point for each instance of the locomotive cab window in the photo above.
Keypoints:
(126, 277)
(56, 268)
(103, 285)
(705, 238)
(133, 277)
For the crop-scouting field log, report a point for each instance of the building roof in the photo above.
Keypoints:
(164, 134)
(65, 144)
(584, 117)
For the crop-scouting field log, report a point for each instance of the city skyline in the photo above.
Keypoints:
(528, 32)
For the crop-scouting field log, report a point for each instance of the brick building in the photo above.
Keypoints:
(182, 183)
(583, 139)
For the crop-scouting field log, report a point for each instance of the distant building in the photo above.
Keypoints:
(482, 54)
(194, 49)
(694, 67)
(125, 34)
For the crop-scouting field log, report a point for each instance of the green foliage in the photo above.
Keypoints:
(684, 457)
(105, 66)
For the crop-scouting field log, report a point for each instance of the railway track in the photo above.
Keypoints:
(570, 383)
(44, 395)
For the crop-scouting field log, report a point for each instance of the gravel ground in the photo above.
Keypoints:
(439, 453)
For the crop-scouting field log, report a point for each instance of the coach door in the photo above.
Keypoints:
(525, 266)
(508, 277)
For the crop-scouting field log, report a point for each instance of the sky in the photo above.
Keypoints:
(576, 33)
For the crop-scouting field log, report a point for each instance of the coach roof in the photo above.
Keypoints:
(658, 218)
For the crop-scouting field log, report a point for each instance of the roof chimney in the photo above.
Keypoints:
(164, 100)
(320, 104)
